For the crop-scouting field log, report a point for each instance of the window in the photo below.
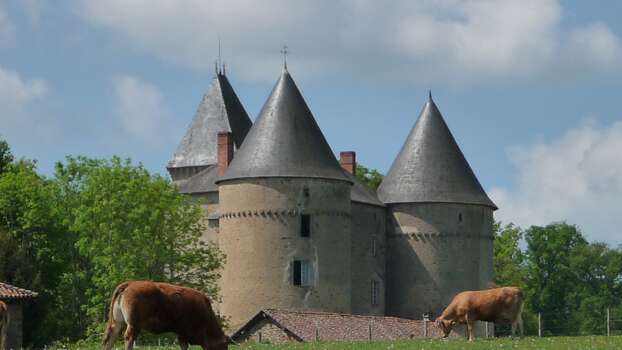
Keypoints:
(375, 286)
(374, 247)
(459, 217)
(305, 225)
(303, 273)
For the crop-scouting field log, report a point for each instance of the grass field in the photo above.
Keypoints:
(528, 343)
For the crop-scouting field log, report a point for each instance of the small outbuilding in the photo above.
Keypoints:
(14, 298)
(279, 326)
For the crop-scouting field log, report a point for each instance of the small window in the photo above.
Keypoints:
(305, 225)
(303, 273)
(374, 247)
(375, 286)
(305, 192)
(459, 217)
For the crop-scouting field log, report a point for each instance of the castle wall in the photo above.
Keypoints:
(209, 204)
(436, 250)
(260, 235)
(368, 226)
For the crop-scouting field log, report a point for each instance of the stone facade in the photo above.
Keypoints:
(369, 252)
(14, 335)
(260, 223)
(436, 250)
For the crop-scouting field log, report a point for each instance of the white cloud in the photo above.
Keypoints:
(15, 91)
(577, 178)
(446, 39)
(139, 108)
(597, 45)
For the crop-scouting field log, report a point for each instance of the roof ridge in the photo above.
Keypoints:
(337, 314)
(16, 292)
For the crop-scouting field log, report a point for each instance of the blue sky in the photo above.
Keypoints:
(530, 89)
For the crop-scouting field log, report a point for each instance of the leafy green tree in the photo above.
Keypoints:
(34, 246)
(134, 225)
(370, 177)
(552, 279)
(509, 260)
(6, 157)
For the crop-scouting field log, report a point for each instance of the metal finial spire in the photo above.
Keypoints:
(430, 95)
(284, 51)
(216, 67)
(219, 57)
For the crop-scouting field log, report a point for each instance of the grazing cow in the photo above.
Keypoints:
(491, 305)
(4, 323)
(159, 308)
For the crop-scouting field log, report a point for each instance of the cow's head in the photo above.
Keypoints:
(444, 325)
(222, 343)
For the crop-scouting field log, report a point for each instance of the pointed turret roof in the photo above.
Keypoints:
(219, 110)
(431, 168)
(285, 141)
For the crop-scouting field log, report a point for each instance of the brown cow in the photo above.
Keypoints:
(159, 308)
(491, 305)
(4, 323)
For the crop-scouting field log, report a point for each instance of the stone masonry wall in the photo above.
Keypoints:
(260, 234)
(435, 251)
(368, 229)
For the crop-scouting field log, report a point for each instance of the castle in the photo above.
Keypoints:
(301, 232)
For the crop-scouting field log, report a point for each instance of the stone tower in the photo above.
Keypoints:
(439, 225)
(194, 167)
(219, 110)
(285, 215)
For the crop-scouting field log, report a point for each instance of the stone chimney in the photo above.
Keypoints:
(348, 161)
(225, 151)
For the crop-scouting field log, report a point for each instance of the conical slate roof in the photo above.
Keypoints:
(220, 110)
(285, 141)
(431, 168)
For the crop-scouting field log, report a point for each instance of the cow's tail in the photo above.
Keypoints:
(110, 323)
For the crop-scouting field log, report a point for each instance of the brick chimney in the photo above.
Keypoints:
(225, 151)
(348, 161)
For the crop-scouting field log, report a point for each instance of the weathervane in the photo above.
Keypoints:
(284, 51)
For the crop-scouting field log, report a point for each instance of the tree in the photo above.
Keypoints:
(134, 225)
(6, 157)
(509, 260)
(95, 223)
(34, 246)
(371, 178)
(551, 278)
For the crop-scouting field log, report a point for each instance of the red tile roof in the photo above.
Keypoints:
(311, 326)
(9, 292)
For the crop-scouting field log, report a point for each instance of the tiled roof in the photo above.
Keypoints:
(431, 168)
(309, 326)
(8, 292)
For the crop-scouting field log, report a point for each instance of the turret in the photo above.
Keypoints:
(439, 226)
(220, 110)
(285, 215)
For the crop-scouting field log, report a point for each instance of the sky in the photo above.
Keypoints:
(531, 89)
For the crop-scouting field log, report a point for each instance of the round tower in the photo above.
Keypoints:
(285, 215)
(439, 226)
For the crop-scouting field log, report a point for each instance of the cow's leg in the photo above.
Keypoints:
(130, 336)
(469, 327)
(112, 333)
(514, 328)
(520, 325)
(183, 344)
